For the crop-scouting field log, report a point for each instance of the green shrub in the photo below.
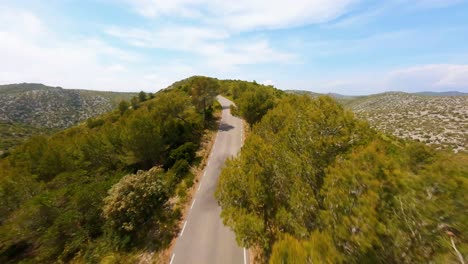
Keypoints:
(133, 201)
(184, 152)
(180, 168)
(234, 110)
(92, 123)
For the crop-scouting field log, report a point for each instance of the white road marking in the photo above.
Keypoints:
(172, 258)
(192, 204)
(245, 257)
(199, 186)
(183, 228)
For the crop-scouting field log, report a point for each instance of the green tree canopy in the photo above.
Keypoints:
(123, 106)
(312, 184)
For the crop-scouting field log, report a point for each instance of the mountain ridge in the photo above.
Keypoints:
(345, 96)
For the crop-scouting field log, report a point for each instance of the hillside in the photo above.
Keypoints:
(29, 109)
(437, 119)
(13, 134)
(53, 107)
(449, 93)
(441, 121)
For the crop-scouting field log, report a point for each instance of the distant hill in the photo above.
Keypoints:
(303, 92)
(342, 96)
(435, 118)
(449, 93)
(441, 121)
(334, 95)
(44, 106)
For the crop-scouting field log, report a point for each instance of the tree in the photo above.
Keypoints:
(203, 91)
(142, 96)
(123, 106)
(238, 89)
(254, 104)
(144, 138)
(273, 187)
(355, 189)
(135, 102)
(313, 184)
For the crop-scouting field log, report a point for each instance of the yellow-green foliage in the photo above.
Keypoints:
(319, 248)
(13, 134)
(313, 184)
(289, 250)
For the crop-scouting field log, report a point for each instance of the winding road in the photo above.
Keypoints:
(204, 239)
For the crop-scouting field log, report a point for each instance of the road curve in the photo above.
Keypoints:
(204, 239)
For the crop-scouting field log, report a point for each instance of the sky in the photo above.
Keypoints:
(339, 46)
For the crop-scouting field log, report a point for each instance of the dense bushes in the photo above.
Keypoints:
(315, 185)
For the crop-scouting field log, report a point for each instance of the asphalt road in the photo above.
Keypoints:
(204, 239)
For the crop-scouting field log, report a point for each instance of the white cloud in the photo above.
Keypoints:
(268, 82)
(30, 52)
(242, 15)
(214, 45)
(153, 8)
(380, 9)
(437, 77)
(184, 38)
(21, 22)
(431, 77)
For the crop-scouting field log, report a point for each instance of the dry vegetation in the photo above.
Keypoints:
(441, 121)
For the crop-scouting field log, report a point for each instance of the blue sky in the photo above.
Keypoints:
(340, 46)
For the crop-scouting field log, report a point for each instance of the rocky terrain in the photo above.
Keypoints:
(440, 121)
(53, 107)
